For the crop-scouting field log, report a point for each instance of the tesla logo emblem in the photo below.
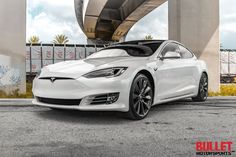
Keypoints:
(52, 79)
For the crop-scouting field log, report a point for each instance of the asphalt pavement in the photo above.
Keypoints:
(170, 129)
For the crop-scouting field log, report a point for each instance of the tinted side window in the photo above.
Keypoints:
(184, 53)
(171, 47)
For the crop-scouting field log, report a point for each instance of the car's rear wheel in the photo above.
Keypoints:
(203, 89)
(141, 97)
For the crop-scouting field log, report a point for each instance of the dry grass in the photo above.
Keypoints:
(15, 94)
(225, 90)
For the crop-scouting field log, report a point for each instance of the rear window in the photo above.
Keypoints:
(153, 45)
(123, 50)
(138, 52)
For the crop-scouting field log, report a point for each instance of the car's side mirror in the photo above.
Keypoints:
(170, 55)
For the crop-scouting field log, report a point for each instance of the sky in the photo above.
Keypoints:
(47, 18)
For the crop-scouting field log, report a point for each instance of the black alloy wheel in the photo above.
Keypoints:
(141, 97)
(203, 89)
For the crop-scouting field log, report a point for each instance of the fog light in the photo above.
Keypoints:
(112, 97)
(102, 99)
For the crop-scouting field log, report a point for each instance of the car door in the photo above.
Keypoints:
(189, 63)
(171, 74)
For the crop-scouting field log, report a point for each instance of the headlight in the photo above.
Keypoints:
(109, 72)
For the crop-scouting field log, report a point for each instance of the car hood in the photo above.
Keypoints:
(75, 69)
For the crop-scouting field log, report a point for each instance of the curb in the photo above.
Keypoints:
(16, 102)
(222, 98)
(28, 102)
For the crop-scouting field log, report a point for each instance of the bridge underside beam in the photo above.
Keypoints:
(79, 12)
(196, 24)
(110, 20)
(132, 11)
(92, 14)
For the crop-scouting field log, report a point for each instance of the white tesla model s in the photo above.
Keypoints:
(129, 77)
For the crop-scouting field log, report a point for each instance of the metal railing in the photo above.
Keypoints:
(40, 55)
(228, 66)
(228, 62)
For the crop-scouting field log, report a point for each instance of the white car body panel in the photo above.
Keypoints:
(173, 80)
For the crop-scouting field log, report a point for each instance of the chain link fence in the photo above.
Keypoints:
(228, 66)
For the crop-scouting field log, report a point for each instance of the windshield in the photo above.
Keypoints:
(109, 53)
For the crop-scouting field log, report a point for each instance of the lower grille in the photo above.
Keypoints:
(59, 101)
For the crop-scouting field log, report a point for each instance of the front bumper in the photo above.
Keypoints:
(83, 88)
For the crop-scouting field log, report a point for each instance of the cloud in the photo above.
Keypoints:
(47, 18)
(155, 24)
(228, 23)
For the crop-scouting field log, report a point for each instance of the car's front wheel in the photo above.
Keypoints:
(203, 89)
(141, 97)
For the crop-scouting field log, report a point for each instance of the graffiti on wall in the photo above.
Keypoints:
(9, 76)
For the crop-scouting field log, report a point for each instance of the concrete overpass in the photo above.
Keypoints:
(12, 45)
(194, 23)
(110, 20)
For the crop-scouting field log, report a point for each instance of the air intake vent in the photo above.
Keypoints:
(55, 78)
(66, 102)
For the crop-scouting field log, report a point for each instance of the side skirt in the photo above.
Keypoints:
(171, 99)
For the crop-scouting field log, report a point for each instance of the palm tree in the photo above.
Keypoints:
(33, 39)
(148, 37)
(221, 46)
(60, 39)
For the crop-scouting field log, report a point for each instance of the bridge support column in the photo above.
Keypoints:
(12, 45)
(195, 23)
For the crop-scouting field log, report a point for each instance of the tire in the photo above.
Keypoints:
(140, 98)
(202, 89)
